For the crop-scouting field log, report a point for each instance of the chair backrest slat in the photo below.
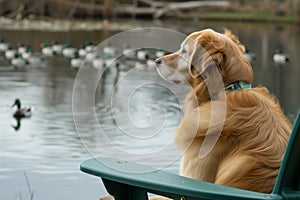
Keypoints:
(288, 181)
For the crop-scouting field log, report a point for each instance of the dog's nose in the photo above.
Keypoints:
(158, 61)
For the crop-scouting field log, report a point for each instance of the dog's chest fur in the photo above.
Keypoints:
(206, 168)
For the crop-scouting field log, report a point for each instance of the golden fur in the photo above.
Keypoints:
(253, 139)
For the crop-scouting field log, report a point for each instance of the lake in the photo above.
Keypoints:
(126, 112)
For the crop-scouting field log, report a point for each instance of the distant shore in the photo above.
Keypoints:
(52, 24)
(63, 25)
(245, 17)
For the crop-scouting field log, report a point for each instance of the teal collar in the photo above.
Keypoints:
(233, 87)
(238, 86)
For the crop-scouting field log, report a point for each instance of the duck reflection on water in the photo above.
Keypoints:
(17, 126)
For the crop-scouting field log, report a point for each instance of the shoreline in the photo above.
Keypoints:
(63, 25)
(261, 17)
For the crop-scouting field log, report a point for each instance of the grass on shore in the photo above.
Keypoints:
(247, 16)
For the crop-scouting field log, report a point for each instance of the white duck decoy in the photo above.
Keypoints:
(22, 48)
(69, 52)
(159, 53)
(85, 49)
(111, 62)
(27, 54)
(32, 58)
(10, 53)
(76, 61)
(280, 57)
(142, 54)
(19, 62)
(46, 49)
(91, 56)
(57, 47)
(110, 50)
(129, 52)
(82, 52)
(89, 46)
(3, 45)
(98, 63)
(143, 64)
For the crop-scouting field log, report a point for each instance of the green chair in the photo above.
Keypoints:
(124, 185)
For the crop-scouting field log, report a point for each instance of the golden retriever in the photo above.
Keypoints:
(243, 130)
(251, 139)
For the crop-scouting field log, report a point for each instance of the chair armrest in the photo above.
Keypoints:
(128, 180)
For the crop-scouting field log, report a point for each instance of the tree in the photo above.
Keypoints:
(108, 9)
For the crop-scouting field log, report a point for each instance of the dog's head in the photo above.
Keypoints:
(199, 53)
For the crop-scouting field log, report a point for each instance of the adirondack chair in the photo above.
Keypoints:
(135, 186)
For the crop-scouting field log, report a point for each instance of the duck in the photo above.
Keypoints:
(249, 55)
(91, 56)
(18, 125)
(82, 52)
(128, 52)
(141, 65)
(68, 51)
(10, 53)
(57, 47)
(76, 61)
(22, 48)
(89, 46)
(111, 62)
(19, 62)
(27, 54)
(3, 45)
(159, 53)
(21, 112)
(32, 58)
(110, 50)
(98, 63)
(280, 57)
(46, 49)
(86, 48)
(142, 54)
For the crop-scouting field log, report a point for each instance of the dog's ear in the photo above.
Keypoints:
(242, 70)
(194, 62)
(207, 53)
(212, 50)
(203, 61)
